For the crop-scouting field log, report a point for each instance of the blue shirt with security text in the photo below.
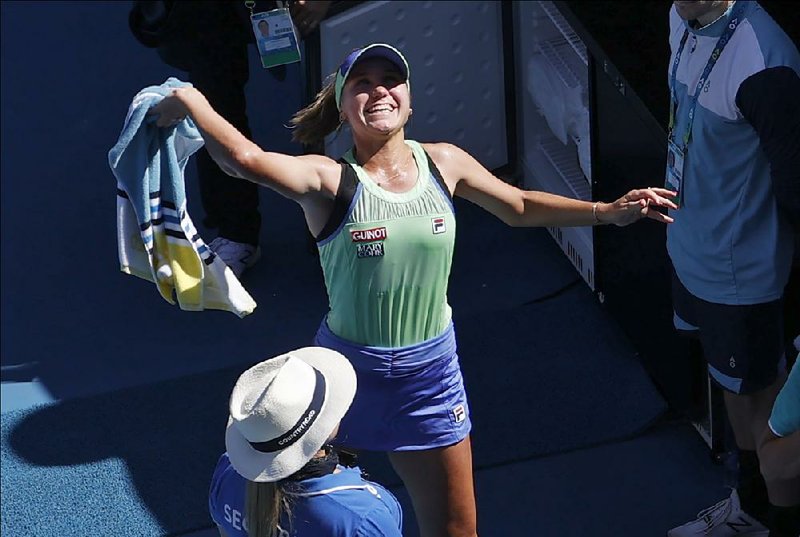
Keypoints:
(340, 504)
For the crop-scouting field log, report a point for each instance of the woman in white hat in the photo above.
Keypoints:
(384, 223)
(280, 476)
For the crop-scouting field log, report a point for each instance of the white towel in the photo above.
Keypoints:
(156, 238)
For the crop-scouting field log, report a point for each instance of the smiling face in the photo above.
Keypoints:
(375, 98)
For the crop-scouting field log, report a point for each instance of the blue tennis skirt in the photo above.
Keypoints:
(408, 398)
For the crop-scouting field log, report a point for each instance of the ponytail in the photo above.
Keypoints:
(320, 118)
(264, 504)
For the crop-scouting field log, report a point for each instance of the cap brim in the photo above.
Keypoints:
(386, 52)
(340, 380)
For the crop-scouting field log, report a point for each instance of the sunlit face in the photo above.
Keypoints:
(375, 97)
(704, 11)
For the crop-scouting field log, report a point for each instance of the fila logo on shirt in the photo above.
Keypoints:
(369, 242)
(438, 225)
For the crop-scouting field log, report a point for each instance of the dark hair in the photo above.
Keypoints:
(320, 118)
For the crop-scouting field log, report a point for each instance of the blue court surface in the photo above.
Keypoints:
(114, 402)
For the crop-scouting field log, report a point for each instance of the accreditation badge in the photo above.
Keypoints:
(276, 37)
(674, 179)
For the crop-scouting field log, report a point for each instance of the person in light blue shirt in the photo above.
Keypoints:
(280, 477)
(780, 445)
(734, 158)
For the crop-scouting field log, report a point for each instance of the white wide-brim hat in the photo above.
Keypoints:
(283, 410)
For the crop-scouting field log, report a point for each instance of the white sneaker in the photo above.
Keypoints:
(238, 256)
(724, 519)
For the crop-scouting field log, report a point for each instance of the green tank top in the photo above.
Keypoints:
(387, 265)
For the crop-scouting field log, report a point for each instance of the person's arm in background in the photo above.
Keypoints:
(307, 14)
(770, 101)
(779, 452)
(780, 456)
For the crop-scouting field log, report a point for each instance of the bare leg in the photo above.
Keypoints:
(749, 415)
(440, 484)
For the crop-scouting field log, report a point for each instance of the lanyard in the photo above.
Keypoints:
(251, 5)
(736, 14)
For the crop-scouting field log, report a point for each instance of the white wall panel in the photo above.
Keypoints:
(553, 133)
(455, 52)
